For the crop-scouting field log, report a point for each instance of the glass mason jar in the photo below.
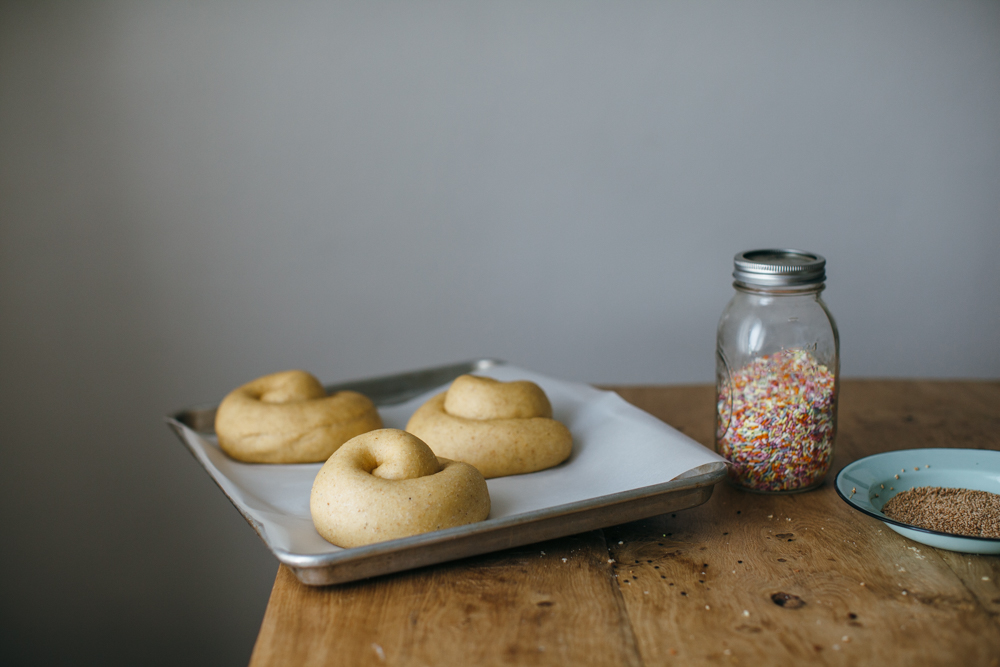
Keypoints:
(778, 369)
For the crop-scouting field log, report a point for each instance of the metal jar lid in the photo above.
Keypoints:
(779, 268)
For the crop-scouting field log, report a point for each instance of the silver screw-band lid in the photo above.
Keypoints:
(779, 268)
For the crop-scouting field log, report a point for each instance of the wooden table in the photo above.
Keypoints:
(742, 579)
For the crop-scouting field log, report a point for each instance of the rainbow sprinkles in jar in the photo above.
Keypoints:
(782, 422)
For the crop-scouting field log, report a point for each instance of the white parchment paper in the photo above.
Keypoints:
(616, 447)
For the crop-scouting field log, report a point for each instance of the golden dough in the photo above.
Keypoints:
(502, 428)
(388, 484)
(288, 418)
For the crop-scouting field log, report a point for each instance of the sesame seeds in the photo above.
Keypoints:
(954, 511)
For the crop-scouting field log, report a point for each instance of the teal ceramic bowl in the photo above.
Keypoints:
(869, 483)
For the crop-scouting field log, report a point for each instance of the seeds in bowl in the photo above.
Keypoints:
(955, 511)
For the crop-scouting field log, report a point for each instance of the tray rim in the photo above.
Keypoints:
(459, 542)
(206, 410)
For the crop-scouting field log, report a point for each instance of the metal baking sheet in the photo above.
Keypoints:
(626, 465)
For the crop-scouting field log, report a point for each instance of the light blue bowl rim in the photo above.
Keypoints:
(881, 517)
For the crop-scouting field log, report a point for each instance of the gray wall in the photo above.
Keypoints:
(194, 194)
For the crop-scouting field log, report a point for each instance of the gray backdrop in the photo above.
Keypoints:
(194, 194)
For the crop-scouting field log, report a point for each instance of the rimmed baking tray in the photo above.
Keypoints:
(626, 465)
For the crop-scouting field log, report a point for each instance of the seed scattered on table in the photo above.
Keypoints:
(953, 511)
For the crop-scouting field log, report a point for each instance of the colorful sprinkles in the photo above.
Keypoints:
(781, 423)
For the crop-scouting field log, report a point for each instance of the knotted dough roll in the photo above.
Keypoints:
(287, 417)
(502, 428)
(388, 484)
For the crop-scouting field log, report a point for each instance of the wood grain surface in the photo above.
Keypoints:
(743, 579)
